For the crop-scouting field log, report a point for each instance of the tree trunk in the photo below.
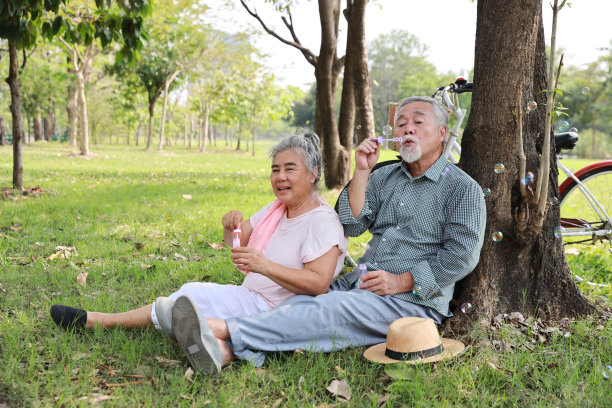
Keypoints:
(204, 127)
(38, 131)
(191, 130)
(2, 131)
(167, 84)
(137, 135)
(525, 271)
(13, 82)
(253, 142)
(83, 112)
(150, 129)
(185, 131)
(71, 107)
(227, 136)
(356, 48)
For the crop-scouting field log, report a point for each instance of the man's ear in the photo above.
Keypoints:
(442, 130)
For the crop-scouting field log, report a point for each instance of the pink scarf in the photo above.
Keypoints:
(266, 227)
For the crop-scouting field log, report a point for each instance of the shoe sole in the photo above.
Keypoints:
(195, 337)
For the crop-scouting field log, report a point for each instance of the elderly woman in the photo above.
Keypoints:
(294, 245)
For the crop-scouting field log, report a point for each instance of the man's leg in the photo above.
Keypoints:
(324, 323)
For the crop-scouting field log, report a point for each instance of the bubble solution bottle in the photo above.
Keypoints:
(236, 240)
(362, 271)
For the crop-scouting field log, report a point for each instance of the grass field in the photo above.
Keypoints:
(140, 224)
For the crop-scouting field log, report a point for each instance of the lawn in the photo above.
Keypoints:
(113, 232)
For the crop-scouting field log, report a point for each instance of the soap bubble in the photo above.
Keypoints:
(531, 106)
(528, 178)
(497, 236)
(486, 192)
(559, 230)
(573, 130)
(466, 308)
(387, 130)
(416, 289)
(607, 373)
(554, 200)
(586, 90)
(445, 171)
(499, 168)
(357, 127)
(564, 126)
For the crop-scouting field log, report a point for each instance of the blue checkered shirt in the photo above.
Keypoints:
(432, 226)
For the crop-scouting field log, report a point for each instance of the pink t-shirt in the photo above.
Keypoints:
(296, 241)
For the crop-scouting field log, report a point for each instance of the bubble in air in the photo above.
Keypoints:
(357, 127)
(497, 236)
(499, 168)
(554, 200)
(564, 126)
(387, 130)
(607, 373)
(559, 230)
(416, 289)
(531, 106)
(528, 178)
(586, 90)
(466, 308)
(486, 192)
(574, 130)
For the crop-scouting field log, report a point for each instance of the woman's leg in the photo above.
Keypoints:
(137, 318)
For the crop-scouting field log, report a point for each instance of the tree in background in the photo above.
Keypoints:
(22, 21)
(336, 136)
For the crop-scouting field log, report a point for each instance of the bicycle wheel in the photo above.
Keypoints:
(581, 220)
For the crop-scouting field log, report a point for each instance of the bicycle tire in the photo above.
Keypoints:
(577, 215)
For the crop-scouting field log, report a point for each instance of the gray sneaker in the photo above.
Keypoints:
(195, 337)
(163, 311)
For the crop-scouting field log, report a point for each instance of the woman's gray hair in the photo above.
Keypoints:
(307, 145)
(439, 112)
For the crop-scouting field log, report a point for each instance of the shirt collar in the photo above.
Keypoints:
(433, 173)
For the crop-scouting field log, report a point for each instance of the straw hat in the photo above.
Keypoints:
(413, 340)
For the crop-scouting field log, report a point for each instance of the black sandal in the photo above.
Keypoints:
(68, 317)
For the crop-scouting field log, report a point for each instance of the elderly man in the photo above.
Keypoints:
(427, 219)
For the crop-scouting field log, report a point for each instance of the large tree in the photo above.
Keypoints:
(526, 270)
(337, 135)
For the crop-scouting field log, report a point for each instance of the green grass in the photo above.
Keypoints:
(125, 213)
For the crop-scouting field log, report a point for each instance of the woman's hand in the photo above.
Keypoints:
(231, 220)
(250, 259)
(385, 283)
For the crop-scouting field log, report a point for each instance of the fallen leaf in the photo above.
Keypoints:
(189, 375)
(139, 246)
(187, 397)
(214, 245)
(15, 227)
(62, 252)
(146, 267)
(81, 278)
(340, 389)
(187, 196)
(97, 398)
(168, 363)
(179, 256)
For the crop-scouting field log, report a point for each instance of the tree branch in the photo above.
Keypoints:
(310, 57)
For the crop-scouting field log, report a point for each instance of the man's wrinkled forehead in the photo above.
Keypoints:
(408, 111)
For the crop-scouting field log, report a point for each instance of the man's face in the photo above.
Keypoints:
(421, 137)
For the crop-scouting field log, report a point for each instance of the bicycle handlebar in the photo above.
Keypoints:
(460, 85)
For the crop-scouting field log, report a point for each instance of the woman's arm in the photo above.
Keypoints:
(313, 280)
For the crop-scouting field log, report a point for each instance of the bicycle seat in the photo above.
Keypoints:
(565, 140)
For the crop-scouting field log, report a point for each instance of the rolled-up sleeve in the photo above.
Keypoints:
(354, 227)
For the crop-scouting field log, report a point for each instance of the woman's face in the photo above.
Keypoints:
(291, 181)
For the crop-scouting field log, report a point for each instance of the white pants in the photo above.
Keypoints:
(219, 301)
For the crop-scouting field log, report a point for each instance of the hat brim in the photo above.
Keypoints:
(451, 348)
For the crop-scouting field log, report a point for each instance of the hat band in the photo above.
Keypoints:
(414, 355)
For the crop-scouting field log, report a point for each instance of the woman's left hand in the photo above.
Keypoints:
(250, 259)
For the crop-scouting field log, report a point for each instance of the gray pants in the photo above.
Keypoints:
(343, 317)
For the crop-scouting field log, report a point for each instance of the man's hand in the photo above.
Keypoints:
(250, 259)
(231, 220)
(385, 283)
(366, 155)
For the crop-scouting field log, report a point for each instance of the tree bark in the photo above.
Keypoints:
(71, 107)
(167, 84)
(356, 47)
(13, 82)
(526, 271)
(38, 130)
(2, 131)
(150, 129)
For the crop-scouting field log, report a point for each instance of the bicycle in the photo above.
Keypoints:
(585, 195)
